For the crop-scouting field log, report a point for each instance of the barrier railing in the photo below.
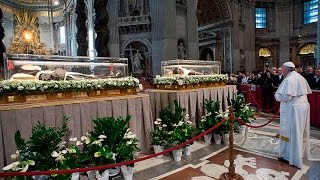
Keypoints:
(231, 172)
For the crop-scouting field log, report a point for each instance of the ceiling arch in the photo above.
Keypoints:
(210, 12)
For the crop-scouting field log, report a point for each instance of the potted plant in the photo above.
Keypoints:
(242, 111)
(213, 117)
(177, 126)
(110, 141)
(159, 136)
(36, 153)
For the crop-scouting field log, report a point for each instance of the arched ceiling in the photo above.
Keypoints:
(212, 11)
(34, 4)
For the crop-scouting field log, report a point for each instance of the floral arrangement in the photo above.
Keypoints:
(213, 117)
(36, 153)
(8, 86)
(242, 110)
(172, 128)
(182, 80)
(110, 141)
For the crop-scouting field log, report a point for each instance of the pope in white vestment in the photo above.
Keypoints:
(294, 116)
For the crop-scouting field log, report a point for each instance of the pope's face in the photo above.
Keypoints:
(284, 71)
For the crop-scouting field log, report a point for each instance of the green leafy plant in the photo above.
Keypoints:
(110, 141)
(159, 136)
(242, 110)
(172, 127)
(213, 117)
(35, 154)
(42, 143)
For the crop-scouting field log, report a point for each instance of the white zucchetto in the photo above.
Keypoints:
(289, 64)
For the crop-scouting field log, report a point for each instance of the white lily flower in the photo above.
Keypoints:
(189, 122)
(180, 123)
(54, 154)
(64, 151)
(14, 156)
(11, 166)
(78, 143)
(97, 143)
(129, 142)
(158, 119)
(88, 141)
(83, 138)
(164, 125)
(157, 122)
(114, 156)
(73, 139)
(60, 158)
(175, 125)
(102, 137)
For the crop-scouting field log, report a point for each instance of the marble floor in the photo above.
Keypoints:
(256, 159)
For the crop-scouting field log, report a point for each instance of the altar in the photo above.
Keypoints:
(24, 116)
(191, 99)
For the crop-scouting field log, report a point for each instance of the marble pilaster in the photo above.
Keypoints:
(283, 28)
(163, 32)
(192, 29)
(114, 46)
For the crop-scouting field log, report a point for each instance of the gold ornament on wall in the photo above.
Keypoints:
(26, 34)
(264, 52)
(308, 49)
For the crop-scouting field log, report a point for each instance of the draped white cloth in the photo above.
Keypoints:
(294, 118)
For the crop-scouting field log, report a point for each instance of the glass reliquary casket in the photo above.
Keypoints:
(190, 67)
(46, 68)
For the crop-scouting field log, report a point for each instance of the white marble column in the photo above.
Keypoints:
(91, 33)
(113, 44)
(50, 16)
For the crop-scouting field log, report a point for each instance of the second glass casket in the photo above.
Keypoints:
(46, 68)
(189, 67)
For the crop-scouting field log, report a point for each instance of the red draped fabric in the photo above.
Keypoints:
(256, 100)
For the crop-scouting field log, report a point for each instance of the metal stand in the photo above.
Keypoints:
(231, 175)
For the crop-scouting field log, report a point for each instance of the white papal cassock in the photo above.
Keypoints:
(294, 118)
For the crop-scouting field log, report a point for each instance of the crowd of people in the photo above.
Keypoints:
(271, 78)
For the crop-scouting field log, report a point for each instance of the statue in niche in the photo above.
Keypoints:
(181, 51)
(242, 59)
(137, 62)
(209, 57)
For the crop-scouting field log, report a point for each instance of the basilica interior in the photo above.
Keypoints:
(238, 37)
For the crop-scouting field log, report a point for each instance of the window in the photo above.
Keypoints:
(261, 18)
(310, 11)
(62, 34)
